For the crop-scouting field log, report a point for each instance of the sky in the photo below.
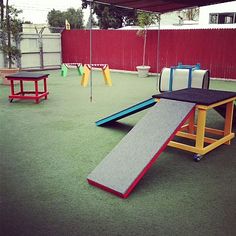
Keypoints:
(36, 10)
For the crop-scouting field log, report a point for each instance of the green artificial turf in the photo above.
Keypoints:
(48, 149)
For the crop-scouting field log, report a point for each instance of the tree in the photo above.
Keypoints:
(189, 14)
(56, 18)
(145, 20)
(75, 18)
(11, 27)
(93, 22)
(110, 16)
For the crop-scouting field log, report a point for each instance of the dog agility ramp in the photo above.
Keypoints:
(127, 112)
(126, 164)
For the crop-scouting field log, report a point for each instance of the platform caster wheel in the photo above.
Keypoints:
(11, 100)
(197, 157)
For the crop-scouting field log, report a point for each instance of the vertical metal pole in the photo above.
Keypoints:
(2, 13)
(144, 45)
(158, 49)
(40, 41)
(41, 54)
(41, 47)
(3, 34)
(90, 46)
(9, 54)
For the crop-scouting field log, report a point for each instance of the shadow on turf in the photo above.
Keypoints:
(118, 126)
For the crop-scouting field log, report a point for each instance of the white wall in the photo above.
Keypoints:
(29, 46)
(170, 18)
(217, 8)
(30, 58)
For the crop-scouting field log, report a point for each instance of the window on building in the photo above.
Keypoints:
(222, 18)
(213, 18)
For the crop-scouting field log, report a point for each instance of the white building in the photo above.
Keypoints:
(221, 15)
(218, 14)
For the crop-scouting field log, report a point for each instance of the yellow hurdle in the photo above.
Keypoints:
(66, 66)
(85, 77)
(87, 71)
(107, 76)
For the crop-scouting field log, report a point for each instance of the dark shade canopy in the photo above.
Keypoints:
(161, 6)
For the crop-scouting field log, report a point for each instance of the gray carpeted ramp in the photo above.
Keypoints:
(126, 164)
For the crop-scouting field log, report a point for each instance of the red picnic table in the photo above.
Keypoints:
(25, 94)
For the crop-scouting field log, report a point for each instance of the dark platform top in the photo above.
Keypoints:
(196, 95)
(26, 75)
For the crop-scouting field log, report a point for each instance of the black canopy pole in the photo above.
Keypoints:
(90, 48)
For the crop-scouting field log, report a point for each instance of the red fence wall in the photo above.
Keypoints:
(214, 49)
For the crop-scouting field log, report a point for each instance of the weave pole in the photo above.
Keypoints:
(158, 50)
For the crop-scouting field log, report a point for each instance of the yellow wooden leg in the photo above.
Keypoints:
(85, 77)
(201, 124)
(228, 119)
(191, 123)
(107, 76)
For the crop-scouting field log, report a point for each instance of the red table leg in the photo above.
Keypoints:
(12, 89)
(21, 88)
(45, 87)
(36, 91)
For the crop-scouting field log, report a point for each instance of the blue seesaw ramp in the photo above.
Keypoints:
(121, 170)
(127, 112)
